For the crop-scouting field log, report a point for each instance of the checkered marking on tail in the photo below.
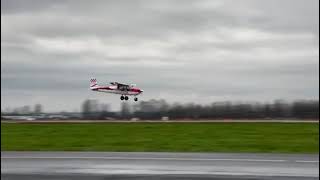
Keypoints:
(93, 82)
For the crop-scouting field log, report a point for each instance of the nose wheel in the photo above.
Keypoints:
(135, 99)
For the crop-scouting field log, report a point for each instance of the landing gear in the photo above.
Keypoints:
(127, 98)
(124, 98)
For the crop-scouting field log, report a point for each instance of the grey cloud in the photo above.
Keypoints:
(134, 17)
(198, 51)
(21, 6)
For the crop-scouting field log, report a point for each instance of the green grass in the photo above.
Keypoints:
(178, 137)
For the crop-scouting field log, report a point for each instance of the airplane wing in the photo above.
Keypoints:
(116, 83)
(121, 86)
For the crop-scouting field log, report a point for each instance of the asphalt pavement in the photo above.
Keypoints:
(147, 165)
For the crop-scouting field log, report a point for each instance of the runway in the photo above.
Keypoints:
(145, 165)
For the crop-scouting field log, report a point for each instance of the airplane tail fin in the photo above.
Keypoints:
(93, 82)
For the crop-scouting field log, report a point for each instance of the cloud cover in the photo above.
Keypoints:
(186, 51)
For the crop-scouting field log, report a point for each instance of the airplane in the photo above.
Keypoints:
(117, 88)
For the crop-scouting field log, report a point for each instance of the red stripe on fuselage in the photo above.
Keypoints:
(109, 88)
(135, 90)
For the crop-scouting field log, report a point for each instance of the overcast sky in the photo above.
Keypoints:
(183, 51)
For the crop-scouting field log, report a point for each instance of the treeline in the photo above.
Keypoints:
(157, 109)
(24, 110)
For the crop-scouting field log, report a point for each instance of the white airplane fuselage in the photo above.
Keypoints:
(133, 91)
(117, 88)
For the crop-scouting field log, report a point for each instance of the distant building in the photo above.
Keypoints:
(165, 118)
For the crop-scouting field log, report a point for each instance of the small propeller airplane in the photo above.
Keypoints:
(117, 88)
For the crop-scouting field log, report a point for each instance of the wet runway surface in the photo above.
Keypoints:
(123, 165)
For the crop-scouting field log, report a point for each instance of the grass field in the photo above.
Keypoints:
(178, 137)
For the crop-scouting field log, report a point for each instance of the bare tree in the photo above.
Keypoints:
(38, 109)
(125, 110)
(90, 109)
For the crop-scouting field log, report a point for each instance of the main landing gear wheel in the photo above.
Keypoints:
(122, 98)
(126, 98)
(135, 99)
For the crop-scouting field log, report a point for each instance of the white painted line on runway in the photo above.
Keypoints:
(172, 159)
(307, 161)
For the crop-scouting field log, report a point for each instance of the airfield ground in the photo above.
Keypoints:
(159, 137)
